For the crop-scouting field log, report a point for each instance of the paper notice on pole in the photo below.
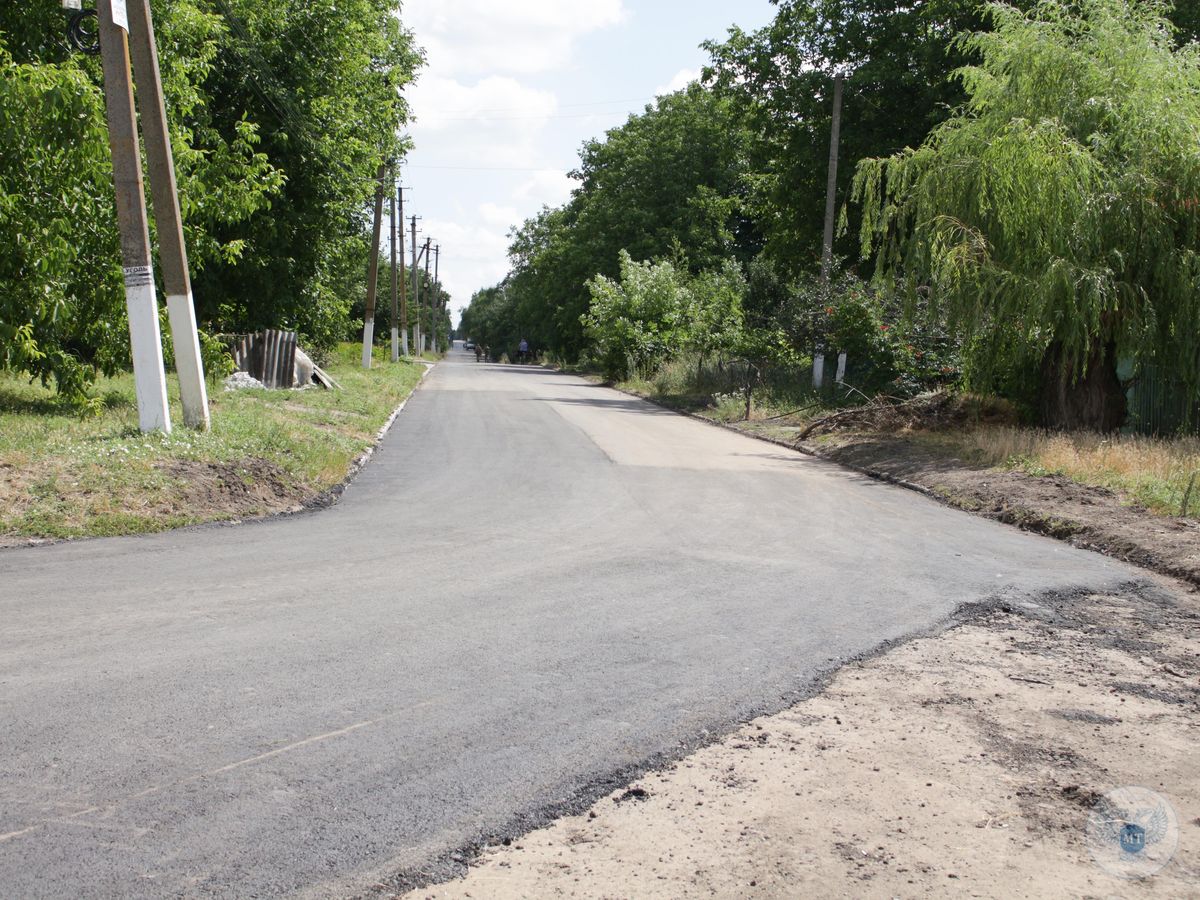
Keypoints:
(120, 16)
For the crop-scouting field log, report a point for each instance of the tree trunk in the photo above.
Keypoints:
(1092, 400)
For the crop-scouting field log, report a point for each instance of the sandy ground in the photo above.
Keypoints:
(962, 765)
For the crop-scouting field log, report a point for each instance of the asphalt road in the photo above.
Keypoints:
(536, 585)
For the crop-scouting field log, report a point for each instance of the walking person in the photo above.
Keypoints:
(523, 350)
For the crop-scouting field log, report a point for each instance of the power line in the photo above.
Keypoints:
(501, 109)
(487, 168)
(592, 115)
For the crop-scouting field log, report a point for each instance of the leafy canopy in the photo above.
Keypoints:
(1059, 208)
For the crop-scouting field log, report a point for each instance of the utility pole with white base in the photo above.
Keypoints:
(395, 278)
(416, 276)
(145, 339)
(403, 282)
(167, 218)
(431, 337)
(827, 237)
(373, 271)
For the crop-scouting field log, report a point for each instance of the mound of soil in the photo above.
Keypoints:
(248, 487)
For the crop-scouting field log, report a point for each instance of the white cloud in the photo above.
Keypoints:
(548, 188)
(473, 256)
(515, 36)
(497, 216)
(442, 104)
(682, 79)
(493, 122)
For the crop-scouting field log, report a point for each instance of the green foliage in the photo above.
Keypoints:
(1056, 212)
(713, 316)
(279, 114)
(666, 184)
(218, 362)
(639, 320)
(897, 59)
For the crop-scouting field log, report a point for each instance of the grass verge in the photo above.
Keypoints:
(268, 451)
(1152, 472)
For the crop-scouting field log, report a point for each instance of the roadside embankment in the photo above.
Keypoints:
(269, 451)
(970, 764)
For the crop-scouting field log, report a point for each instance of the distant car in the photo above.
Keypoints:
(468, 345)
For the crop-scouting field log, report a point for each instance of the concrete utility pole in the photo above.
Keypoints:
(145, 340)
(431, 328)
(437, 258)
(403, 282)
(416, 289)
(830, 207)
(395, 277)
(165, 199)
(373, 271)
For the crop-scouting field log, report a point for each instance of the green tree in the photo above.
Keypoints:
(62, 312)
(666, 183)
(713, 316)
(639, 320)
(898, 59)
(1053, 220)
(280, 115)
(324, 80)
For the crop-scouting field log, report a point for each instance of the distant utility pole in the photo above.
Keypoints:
(373, 271)
(416, 278)
(395, 275)
(145, 339)
(437, 258)
(403, 282)
(167, 218)
(831, 184)
(431, 329)
(830, 207)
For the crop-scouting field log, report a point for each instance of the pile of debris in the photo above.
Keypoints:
(272, 359)
(929, 411)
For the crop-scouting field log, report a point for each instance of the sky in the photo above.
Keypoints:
(512, 89)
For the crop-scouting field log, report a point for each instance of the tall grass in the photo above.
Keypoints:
(1153, 471)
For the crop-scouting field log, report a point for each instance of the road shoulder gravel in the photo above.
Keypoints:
(962, 764)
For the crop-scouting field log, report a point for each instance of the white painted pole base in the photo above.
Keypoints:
(818, 369)
(417, 339)
(395, 344)
(188, 365)
(841, 369)
(368, 343)
(404, 342)
(145, 340)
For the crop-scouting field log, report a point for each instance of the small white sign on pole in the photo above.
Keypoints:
(72, 4)
(119, 14)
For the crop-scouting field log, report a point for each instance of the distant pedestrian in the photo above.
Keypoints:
(523, 350)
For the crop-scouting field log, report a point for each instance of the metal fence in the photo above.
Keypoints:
(1162, 405)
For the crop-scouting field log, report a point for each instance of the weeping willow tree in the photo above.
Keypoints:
(1053, 220)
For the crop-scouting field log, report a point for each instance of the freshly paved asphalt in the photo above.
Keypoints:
(536, 584)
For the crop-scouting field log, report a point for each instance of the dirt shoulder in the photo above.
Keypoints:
(966, 764)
